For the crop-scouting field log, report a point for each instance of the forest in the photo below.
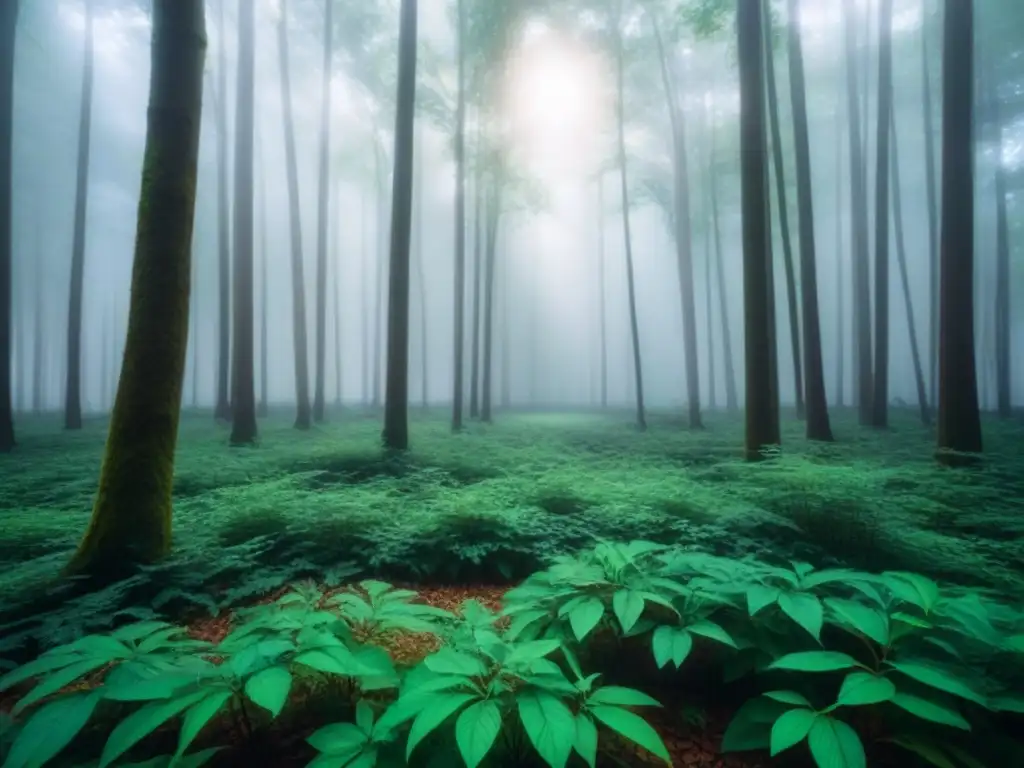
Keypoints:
(511, 383)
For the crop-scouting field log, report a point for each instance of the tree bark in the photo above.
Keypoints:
(336, 293)
(421, 277)
(731, 396)
(8, 35)
(474, 360)
(323, 203)
(458, 295)
(959, 424)
(493, 221)
(933, 219)
(602, 289)
(264, 405)
(1002, 285)
(222, 407)
(131, 517)
(39, 332)
(378, 289)
(840, 265)
(366, 293)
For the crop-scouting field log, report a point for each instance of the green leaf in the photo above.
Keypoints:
(51, 729)
(760, 597)
(789, 697)
(334, 661)
(869, 621)
(670, 644)
(914, 621)
(628, 606)
(585, 742)
(622, 697)
(937, 677)
(712, 631)
(448, 661)
(834, 744)
(633, 727)
(59, 679)
(550, 726)
(441, 707)
(143, 722)
(815, 661)
(585, 616)
(925, 591)
(860, 688)
(524, 653)
(476, 729)
(133, 633)
(930, 710)
(805, 610)
(339, 739)
(269, 688)
(791, 728)
(364, 717)
(750, 728)
(197, 716)
(1007, 703)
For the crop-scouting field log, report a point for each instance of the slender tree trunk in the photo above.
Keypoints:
(458, 295)
(634, 327)
(8, 34)
(933, 218)
(39, 332)
(708, 314)
(840, 265)
(1002, 312)
(378, 292)
(474, 363)
(421, 277)
(787, 245)
(264, 405)
(396, 403)
(731, 396)
(762, 425)
(601, 280)
(506, 329)
(491, 245)
(303, 415)
(959, 422)
(243, 394)
(222, 407)
(196, 325)
(17, 328)
(323, 203)
(366, 293)
(73, 380)
(131, 517)
(336, 293)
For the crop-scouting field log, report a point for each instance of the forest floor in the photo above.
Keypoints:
(483, 509)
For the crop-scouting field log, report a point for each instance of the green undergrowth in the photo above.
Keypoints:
(839, 665)
(496, 503)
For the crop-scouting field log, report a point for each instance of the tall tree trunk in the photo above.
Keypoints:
(708, 315)
(17, 332)
(933, 218)
(243, 390)
(8, 34)
(901, 257)
(683, 234)
(196, 322)
(858, 225)
(222, 407)
(421, 277)
(1002, 313)
(492, 223)
(73, 380)
(601, 279)
(474, 360)
(264, 405)
(959, 422)
(336, 292)
(323, 203)
(396, 403)
(779, 167)
(366, 293)
(634, 326)
(506, 328)
(38, 331)
(840, 265)
(880, 394)
(458, 294)
(303, 414)
(762, 425)
(131, 517)
(731, 396)
(378, 290)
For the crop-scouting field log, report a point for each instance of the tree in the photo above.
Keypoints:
(818, 427)
(959, 422)
(396, 404)
(933, 217)
(73, 380)
(243, 394)
(1002, 299)
(762, 425)
(8, 27)
(303, 414)
(131, 517)
(840, 263)
(264, 405)
(323, 202)
(460, 222)
(602, 292)
(222, 407)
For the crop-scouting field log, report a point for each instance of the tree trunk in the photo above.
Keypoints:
(634, 327)
(222, 407)
(264, 405)
(243, 390)
(1002, 287)
(196, 325)
(17, 327)
(959, 422)
(421, 277)
(39, 333)
(933, 219)
(303, 415)
(708, 314)
(458, 295)
(378, 289)
(731, 397)
(602, 290)
(492, 223)
(840, 259)
(131, 517)
(762, 425)
(396, 403)
(366, 292)
(506, 327)
(8, 34)
(323, 201)
(474, 360)
(336, 293)
(858, 226)
(780, 192)
(73, 380)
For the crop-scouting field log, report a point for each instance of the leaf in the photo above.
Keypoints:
(550, 726)
(633, 727)
(534, 650)
(791, 728)
(364, 717)
(750, 728)
(133, 633)
(789, 697)
(712, 631)
(51, 729)
(868, 621)
(622, 697)
(338, 739)
(760, 597)
(834, 744)
(334, 661)
(628, 606)
(476, 729)
(57, 680)
(925, 591)
(197, 716)
(860, 688)
(805, 610)
(441, 707)
(815, 661)
(448, 661)
(1007, 703)
(269, 688)
(143, 722)
(928, 752)
(937, 677)
(930, 710)
(585, 742)
(585, 616)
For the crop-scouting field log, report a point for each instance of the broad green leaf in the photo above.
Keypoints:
(804, 609)
(585, 616)
(628, 606)
(143, 722)
(750, 728)
(937, 677)
(633, 727)
(364, 717)
(585, 742)
(441, 707)
(1007, 703)
(58, 679)
(338, 739)
(930, 710)
(712, 631)
(815, 661)
(101, 646)
(335, 661)
(926, 591)
(670, 644)
(448, 661)
(197, 716)
(760, 597)
(789, 697)
(860, 688)
(269, 688)
(130, 686)
(45, 663)
(621, 697)
(51, 729)
(133, 633)
(865, 619)
(550, 726)
(834, 744)
(476, 729)
(791, 728)
(910, 619)
(532, 651)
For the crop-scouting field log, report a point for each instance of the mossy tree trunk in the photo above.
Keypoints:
(131, 517)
